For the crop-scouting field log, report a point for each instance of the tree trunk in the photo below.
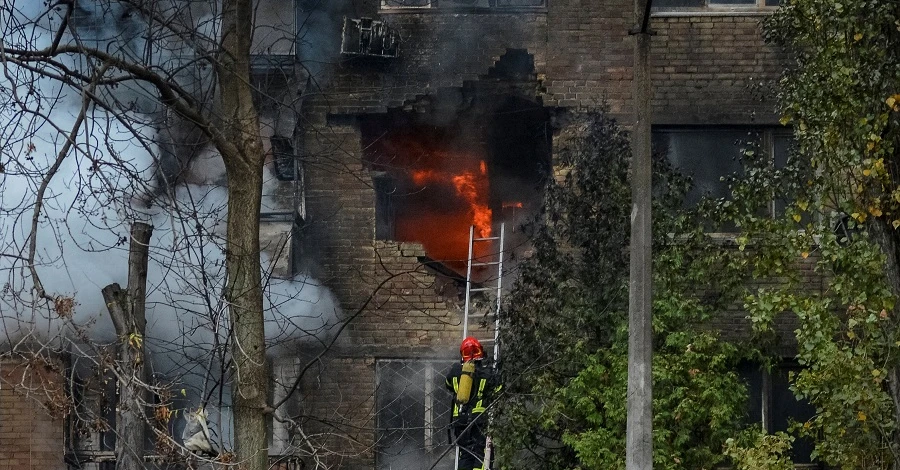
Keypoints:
(127, 312)
(244, 158)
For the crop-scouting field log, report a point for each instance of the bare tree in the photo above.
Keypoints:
(173, 78)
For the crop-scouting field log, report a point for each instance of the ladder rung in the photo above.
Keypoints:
(482, 289)
(485, 239)
(486, 263)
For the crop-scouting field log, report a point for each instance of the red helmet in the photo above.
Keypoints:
(471, 349)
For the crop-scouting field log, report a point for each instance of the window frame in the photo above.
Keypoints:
(768, 138)
(432, 399)
(771, 382)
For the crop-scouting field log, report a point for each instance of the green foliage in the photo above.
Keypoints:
(842, 97)
(565, 339)
(756, 450)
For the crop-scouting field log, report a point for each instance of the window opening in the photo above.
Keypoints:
(436, 174)
(707, 154)
(772, 403)
(413, 414)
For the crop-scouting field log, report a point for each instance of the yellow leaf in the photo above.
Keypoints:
(876, 372)
(805, 254)
(802, 205)
(858, 216)
(857, 36)
(851, 334)
(796, 217)
(869, 146)
(786, 119)
(890, 101)
(867, 171)
(896, 223)
(861, 416)
(875, 211)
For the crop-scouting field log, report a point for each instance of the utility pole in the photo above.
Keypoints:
(639, 430)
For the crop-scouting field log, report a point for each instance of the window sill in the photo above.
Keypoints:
(749, 11)
(460, 10)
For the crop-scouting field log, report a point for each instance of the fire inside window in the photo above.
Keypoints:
(368, 37)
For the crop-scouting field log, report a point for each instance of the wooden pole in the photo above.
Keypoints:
(127, 310)
(639, 427)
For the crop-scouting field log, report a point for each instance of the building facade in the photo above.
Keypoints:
(407, 122)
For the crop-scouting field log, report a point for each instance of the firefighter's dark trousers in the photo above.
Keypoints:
(471, 445)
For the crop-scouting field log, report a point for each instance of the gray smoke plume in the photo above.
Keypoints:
(104, 184)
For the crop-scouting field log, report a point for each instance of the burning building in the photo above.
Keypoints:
(395, 125)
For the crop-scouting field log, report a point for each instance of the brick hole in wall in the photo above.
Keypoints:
(477, 155)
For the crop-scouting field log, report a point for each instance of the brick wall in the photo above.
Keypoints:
(706, 70)
(31, 424)
(713, 70)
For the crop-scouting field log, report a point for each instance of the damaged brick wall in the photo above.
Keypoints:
(705, 71)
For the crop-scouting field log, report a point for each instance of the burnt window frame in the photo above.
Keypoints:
(434, 437)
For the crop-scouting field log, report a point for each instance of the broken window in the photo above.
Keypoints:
(436, 174)
(368, 37)
(413, 414)
(284, 161)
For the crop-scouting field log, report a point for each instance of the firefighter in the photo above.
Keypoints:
(472, 383)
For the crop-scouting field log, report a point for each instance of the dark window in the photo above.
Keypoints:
(704, 154)
(709, 154)
(413, 415)
(772, 403)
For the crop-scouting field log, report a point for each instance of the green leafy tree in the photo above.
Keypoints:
(841, 94)
(565, 339)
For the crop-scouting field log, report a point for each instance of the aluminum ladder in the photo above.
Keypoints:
(497, 260)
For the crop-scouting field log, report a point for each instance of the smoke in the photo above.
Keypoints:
(107, 180)
(320, 23)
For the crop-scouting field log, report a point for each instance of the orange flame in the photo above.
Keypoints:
(447, 191)
(472, 190)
